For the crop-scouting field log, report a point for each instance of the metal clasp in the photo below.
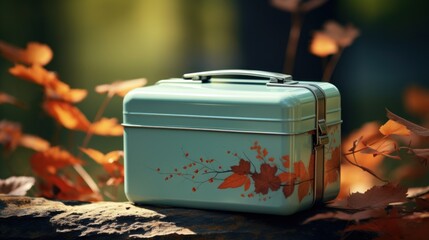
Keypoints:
(323, 132)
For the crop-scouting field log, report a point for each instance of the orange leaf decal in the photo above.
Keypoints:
(49, 161)
(35, 53)
(33, 142)
(286, 177)
(286, 161)
(243, 167)
(266, 179)
(107, 127)
(288, 189)
(304, 179)
(235, 181)
(332, 167)
(67, 115)
(392, 127)
(120, 88)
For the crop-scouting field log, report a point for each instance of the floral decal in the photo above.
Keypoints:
(257, 177)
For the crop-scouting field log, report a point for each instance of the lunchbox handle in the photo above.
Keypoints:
(206, 75)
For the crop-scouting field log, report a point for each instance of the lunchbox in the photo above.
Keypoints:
(234, 140)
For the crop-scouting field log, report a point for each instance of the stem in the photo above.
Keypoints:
(79, 169)
(330, 67)
(292, 44)
(365, 169)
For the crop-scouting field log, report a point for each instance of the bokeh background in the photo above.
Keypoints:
(101, 41)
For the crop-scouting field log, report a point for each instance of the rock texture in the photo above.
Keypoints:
(30, 218)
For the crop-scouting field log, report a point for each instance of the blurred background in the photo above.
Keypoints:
(101, 41)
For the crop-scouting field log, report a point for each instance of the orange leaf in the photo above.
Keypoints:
(17, 186)
(49, 161)
(303, 190)
(392, 127)
(107, 127)
(110, 162)
(288, 189)
(58, 90)
(417, 100)
(34, 142)
(35, 53)
(322, 45)
(242, 168)
(418, 130)
(36, 74)
(235, 181)
(332, 167)
(67, 115)
(343, 36)
(10, 134)
(120, 88)
(6, 98)
(286, 161)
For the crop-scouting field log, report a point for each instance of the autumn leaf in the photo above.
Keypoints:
(57, 90)
(6, 98)
(381, 147)
(376, 197)
(120, 88)
(391, 127)
(235, 181)
(110, 163)
(286, 177)
(286, 161)
(67, 115)
(61, 188)
(343, 36)
(49, 161)
(107, 127)
(422, 154)
(266, 179)
(417, 100)
(323, 45)
(34, 54)
(289, 188)
(10, 134)
(17, 186)
(304, 180)
(416, 129)
(34, 142)
(243, 167)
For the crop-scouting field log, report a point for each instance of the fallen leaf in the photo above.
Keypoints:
(67, 115)
(376, 197)
(323, 45)
(418, 130)
(33, 142)
(356, 217)
(17, 186)
(35, 53)
(120, 88)
(107, 127)
(392, 127)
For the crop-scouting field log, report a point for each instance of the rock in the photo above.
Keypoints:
(29, 218)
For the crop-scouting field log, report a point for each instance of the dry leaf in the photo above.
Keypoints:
(107, 127)
(35, 73)
(322, 45)
(67, 115)
(17, 186)
(416, 129)
(33, 142)
(376, 197)
(57, 90)
(392, 127)
(338, 215)
(110, 162)
(417, 191)
(34, 54)
(120, 88)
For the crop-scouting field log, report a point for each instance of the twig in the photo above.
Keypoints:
(330, 67)
(292, 44)
(365, 169)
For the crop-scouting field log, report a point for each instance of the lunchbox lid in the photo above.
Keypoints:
(231, 102)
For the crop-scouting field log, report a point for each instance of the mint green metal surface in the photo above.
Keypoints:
(228, 145)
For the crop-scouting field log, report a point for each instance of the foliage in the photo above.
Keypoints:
(54, 165)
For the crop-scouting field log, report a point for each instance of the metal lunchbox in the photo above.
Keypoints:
(235, 140)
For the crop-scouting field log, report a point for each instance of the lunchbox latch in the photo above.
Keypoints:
(323, 132)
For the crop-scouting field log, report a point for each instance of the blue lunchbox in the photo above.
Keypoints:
(237, 140)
